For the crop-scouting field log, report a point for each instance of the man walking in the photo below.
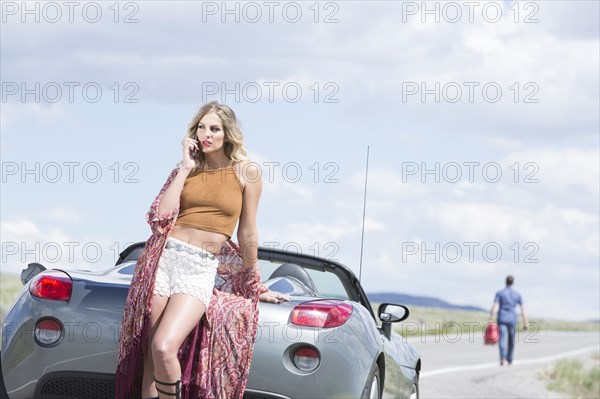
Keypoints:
(505, 302)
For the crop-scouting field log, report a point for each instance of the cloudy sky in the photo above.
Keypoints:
(481, 121)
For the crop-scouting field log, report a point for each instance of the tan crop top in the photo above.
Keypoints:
(211, 200)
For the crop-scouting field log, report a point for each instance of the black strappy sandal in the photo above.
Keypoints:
(177, 388)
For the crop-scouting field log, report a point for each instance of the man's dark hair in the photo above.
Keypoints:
(510, 280)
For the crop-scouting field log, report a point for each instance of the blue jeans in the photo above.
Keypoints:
(507, 333)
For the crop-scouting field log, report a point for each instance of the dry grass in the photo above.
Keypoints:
(572, 378)
(10, 286)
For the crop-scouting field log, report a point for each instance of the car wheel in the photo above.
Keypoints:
(414, 392)
(374, 386)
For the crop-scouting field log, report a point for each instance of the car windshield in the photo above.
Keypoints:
(322, 283)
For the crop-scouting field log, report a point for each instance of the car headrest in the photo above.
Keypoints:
(296, 271)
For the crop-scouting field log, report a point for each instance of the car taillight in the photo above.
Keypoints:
(323, 314)
(306, 358)
(53, 285)
(48, 331)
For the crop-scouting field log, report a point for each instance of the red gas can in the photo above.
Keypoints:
(492, 334)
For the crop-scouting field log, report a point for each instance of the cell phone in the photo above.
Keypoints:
(195, 151)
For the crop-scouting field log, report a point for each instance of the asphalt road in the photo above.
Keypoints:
(461, 366)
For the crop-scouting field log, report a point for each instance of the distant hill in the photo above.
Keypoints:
(429, 302)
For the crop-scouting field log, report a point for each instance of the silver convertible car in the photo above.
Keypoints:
(59, 339)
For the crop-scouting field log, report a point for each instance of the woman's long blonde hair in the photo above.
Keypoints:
(234, 139)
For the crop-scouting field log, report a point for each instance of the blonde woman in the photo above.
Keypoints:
(212, 189)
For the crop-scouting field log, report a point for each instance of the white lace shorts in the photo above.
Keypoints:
(185, 268)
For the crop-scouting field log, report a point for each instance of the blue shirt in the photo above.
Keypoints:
(507, 300)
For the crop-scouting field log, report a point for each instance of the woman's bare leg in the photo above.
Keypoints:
(182, 313)
(158, 305)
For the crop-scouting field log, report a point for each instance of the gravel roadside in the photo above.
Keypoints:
(513, 382)
(516, 381)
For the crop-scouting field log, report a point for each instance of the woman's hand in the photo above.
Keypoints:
(272, 296)
(190, 151)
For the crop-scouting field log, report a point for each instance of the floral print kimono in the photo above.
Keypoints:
(215, 357)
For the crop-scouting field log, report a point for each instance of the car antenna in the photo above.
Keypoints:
(362, 235)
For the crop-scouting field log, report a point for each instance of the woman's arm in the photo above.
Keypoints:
(159, 222)
(273, 296)
(170, 198)
(169, 202)
(247, 233)
(165, 206)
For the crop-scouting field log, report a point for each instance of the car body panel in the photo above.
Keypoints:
(91, 321)
(349, 354)
(277, 339)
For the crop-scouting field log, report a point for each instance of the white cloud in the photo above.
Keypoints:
(577, 217)
(391, 184)
(561, 169)
(19, 228)
(280, 182)
(25, 241)
(373, 225)
(14, 112)
(366, 60)
(307, 233)
(62, 214)
(504, 142)
(485, 222)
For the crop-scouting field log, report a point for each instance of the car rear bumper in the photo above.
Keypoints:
(30, 370)
(71, 384)
(77, 385)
